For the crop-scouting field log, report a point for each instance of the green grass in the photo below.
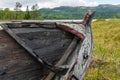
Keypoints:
(106, 55)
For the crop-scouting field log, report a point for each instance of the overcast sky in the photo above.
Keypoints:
(55, 3)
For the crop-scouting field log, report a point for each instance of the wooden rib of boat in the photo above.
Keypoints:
(46, 50)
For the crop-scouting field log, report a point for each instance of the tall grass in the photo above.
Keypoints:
(106, 56)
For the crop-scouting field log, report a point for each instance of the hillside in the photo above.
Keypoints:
(67, 12)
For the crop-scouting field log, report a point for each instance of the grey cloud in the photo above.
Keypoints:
(43, 3)
(11, 3)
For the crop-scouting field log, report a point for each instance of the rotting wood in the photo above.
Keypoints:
(64, 57)
(15, 62)
(44, 63)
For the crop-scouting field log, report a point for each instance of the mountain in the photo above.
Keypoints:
(68, 12)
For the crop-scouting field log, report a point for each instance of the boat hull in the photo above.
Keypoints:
(36, 50)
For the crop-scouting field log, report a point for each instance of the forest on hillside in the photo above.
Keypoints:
(105, 11)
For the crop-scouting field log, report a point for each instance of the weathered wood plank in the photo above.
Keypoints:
(15, 62)
(67, 53)
(46, 43)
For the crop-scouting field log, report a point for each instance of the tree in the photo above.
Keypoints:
(7, 13)
(117, 16)
(35, 11)
(27, 14)
(17, 8)
(1, 13)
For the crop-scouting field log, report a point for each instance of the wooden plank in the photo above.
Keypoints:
(64, 57)
(15, 62)
(18, 40)
(76, 33)
(53, 52)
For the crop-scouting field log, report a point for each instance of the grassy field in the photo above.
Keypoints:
(106, 56)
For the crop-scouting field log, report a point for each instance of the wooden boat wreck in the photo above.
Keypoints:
(46, 50)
